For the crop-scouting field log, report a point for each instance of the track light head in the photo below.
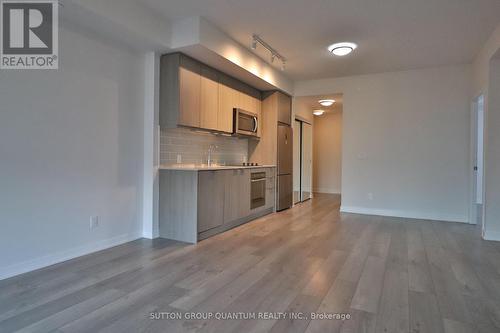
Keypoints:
(254, 44)
(274, 54)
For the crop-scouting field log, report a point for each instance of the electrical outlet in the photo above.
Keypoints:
(370, 196)
(94, 222)
(179, 159)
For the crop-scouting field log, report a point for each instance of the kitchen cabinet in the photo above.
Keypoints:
(257, 108)
(264, 151)
(195, 95)
(196, 204)
(237, 194)
(285, 188)
(284, 108)
(190, 92)
(209, 98)
(270, 188)
(228, 99)
(211, 196)
(246, 102)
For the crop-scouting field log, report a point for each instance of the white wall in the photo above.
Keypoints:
(302, 109)
(405, 141)
(71, 146)
(327, 152)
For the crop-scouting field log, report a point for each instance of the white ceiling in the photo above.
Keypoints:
(311, 103)
(392, 34)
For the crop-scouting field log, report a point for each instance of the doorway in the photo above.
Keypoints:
(302, 163)
(478, 160)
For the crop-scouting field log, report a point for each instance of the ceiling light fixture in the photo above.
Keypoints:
(274, 54)
(318, 112)
(342, 49)
(326, 102)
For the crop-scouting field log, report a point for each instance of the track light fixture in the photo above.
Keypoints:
(274, 54)
(254, 44)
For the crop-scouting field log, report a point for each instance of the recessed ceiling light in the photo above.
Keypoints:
(318, 112)
(326, 102)
(342, 49)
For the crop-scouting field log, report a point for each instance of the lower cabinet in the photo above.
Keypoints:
(270, 188)
(224, 197)
(196, 204)
(210, 199)
(237, 194)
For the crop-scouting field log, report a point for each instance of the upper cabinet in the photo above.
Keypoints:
(284, 108)
(209, 107)
(276, 108)
(190, 92)
(228, 99)
(195, 95)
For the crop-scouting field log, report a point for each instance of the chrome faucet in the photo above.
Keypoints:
(211, 149)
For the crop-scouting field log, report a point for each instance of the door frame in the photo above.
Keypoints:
(473, 211)
(301, 121)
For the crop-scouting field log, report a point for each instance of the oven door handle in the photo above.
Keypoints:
(258, 180)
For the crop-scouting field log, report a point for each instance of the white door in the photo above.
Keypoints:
(296, 160)
(479, 149)
(477, 145)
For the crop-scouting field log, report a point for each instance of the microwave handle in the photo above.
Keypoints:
(256, 124)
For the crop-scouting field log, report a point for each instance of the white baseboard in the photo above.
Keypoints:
(491, 236)
(404, 214)
(326, 190)
(51, 259)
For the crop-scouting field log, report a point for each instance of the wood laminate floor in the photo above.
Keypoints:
(387, 274)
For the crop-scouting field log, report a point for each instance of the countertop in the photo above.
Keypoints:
(204, 167)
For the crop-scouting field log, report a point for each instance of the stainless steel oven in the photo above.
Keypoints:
(257, 189)
(245, 123)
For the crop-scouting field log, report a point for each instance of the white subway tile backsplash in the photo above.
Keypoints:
(193, 147)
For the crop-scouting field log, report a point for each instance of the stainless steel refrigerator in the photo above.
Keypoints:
(285, 167)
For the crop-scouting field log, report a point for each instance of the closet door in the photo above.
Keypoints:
(306, 170)
(297, 126)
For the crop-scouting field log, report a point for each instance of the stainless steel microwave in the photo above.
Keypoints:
(245, 123)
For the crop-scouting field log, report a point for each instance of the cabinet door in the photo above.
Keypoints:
(284, 108)
(285, 189)
(231, 208)
(237, 195)
(257, 106)
(210, 199)
(244, 193)
(209, 102)
(228, 99)
(246, 102)
(190, 92)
